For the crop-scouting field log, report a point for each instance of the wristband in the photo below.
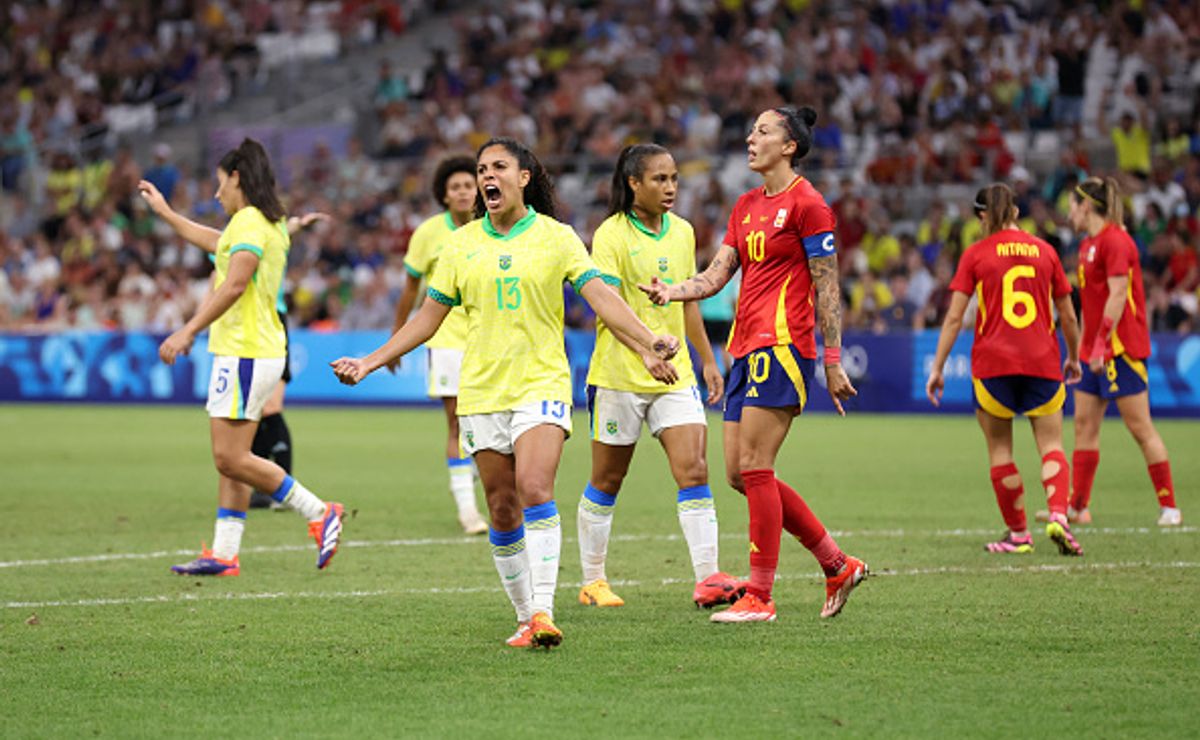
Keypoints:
(833, 355)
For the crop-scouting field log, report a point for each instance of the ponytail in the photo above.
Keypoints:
(1104, 194)
(539, 193)
(255, 177)
(798, 123)
(997, 204)
(630, 164)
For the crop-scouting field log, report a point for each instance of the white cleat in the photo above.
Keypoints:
(472, 523)
(1170, 517)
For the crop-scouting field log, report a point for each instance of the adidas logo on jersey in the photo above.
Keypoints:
(752, 393)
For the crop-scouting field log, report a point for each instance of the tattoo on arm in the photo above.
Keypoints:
(829, 298)
(710, 282)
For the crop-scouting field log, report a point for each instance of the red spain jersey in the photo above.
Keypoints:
(1112, 253)
(774, 237)
(1016, 276)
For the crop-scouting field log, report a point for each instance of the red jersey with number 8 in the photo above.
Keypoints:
(775, 235)
(1015, 276)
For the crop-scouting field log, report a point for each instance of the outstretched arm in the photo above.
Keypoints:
(627, 327)
(824, 272)
(424, 325)
(202, 236)
(950, 328)
(698, 287)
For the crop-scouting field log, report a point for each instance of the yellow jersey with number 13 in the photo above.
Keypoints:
(628, 253)
(424, 248)
(251, 327)
(511, 286)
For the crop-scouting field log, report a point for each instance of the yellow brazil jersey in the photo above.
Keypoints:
(627, 253)
(423, 250)
(251, 326)
(512, 289)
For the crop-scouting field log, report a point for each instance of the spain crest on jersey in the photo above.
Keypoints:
(505, 261)
(781, 218)
(662, 264)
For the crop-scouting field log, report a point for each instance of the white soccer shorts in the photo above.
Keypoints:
(445, 366)
(239, 387)
(500, 430)
(617, 416)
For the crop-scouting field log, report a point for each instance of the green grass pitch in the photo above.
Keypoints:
(402, 636)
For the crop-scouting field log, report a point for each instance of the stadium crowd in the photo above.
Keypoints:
(919, 103)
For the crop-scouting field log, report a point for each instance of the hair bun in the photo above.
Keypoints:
(808, 115)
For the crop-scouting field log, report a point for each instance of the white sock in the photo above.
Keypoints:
(462, 485)
(512, 563)
(543, 533)
(594, 521)
(302, 500)
(698, 520)
(227, 533)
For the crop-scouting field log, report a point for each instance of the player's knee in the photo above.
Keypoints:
(229, 463)
(504, 509)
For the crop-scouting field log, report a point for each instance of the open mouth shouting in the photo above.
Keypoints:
(492, 198)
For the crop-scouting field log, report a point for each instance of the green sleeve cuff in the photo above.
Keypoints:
(413, 271)
(612, 280)
(584, 279)
(443, 299)
(256, 251)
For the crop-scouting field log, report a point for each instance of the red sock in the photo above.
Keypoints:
(1084, 463)
(1058, 485)
(1011, 500)
(1160, 475)
(766, 526)
(804, 525)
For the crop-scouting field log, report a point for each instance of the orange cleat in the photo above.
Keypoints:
(749, 608)
(838, 588)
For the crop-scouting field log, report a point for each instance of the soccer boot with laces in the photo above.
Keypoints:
(1170, 517)
(522, 638)
(1059, 531)
(598, 593)
(1010, 544)
(327, 532)
(208, 565)
(543, 632)
(717, 589)
(749, 608)
(838, 588)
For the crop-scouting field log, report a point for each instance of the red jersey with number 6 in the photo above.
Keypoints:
(1016, 276)
(775, 235)
(1112, 253)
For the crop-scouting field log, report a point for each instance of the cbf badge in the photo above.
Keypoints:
(505, 261)
(662, 264)
(611, 426)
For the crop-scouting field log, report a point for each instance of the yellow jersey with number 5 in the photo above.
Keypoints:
(251, 327)
(511, 287)
(628, 253)
(421, 261)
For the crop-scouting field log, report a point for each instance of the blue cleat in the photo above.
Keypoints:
(207, 565)
(327, 531)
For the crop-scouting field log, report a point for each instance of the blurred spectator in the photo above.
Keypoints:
(163, 173)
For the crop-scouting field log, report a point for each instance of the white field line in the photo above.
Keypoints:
(428, 541)
(571, 587)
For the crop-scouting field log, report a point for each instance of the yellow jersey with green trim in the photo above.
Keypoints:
(512, 289)
(424, 248)
(627, 253)
(251, 327)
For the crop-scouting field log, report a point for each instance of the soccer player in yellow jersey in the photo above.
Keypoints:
(453, 187)
(514, 404)
(641, 239)
(273, 440)
(249, 348)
